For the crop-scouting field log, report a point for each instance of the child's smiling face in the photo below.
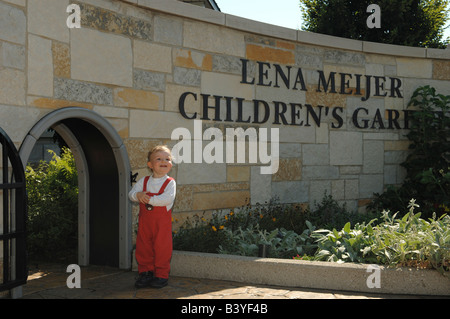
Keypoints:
(160, 163)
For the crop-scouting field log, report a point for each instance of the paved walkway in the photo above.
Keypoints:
(49, 282)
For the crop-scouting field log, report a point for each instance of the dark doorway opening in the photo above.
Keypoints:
(103, 193)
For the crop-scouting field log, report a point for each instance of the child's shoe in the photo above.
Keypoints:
(144, 279)
(158, 282)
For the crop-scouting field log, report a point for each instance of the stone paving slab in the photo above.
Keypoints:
(49, 282)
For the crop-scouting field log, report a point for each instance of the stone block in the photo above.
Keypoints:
(238, 173)
(201, 173)
(267, 54)
(49, 103)
(110, 62)
(395, 157)
(338, 189)
(13, 55)
(156, 124)
(289, 169)
(172, 97)
(351, 189)
(185, 76)
(146, 80)
(315, 154)
(290, 150)
(290, 191)
(40, 66)
(414, 68)
(318, 189)
(393, 50)
(219, 200)
(349, 170)
(48, 18)
(192, 59)
(297, 134)
(397, 145)
(12, 88)
(153, 57)
(113, 22)
(213, 38)
(13, 24)
(370, 184)
(373, 161)
(72, 90)
(184, 199)
(441, 70)
(309, 57)
(225, 85)
(168, 30)
(15, 116)
(320, 172)
(260, 186)
(137, 99)
(344, 57)
(228, 64)
(315, 98)
(346, 148)
(21, 3)
(390, 174)
(61, 59)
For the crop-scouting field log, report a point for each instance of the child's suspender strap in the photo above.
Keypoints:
(163, 187)
(145, 183)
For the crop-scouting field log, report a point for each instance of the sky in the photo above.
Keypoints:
(285, 13)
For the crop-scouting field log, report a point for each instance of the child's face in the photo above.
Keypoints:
(160, 163)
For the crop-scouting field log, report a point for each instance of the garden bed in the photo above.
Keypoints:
(308, 274)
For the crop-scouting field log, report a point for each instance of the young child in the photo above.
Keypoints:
(155, 194)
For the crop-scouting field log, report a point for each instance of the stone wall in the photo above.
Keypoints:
(131, 61)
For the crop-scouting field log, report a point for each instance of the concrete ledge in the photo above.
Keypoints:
(308, 274)
(242, 24)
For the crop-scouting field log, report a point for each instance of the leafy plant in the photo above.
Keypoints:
(282, 243)
(198, 234)
(428, 163)
(347, 245)
(407, 241)
(52, 206)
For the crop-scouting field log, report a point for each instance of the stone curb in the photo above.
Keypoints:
(309, 274)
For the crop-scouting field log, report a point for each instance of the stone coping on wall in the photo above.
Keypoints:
(309, 274)
(210, 16)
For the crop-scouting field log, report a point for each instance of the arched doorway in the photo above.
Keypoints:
(104, 212)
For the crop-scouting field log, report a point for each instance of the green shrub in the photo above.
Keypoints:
(408, 241)
(428, 163)
(282, 243)
(226, 228)
(52, 207)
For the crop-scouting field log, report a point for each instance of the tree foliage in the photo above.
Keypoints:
(419, 23)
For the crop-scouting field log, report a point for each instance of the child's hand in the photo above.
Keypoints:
(143, 197)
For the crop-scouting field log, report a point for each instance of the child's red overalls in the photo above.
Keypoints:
(154, 237)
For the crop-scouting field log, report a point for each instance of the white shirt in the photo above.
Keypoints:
(153, 186)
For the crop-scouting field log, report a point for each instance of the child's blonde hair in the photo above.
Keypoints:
(159, 148)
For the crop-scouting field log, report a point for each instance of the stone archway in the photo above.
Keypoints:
(104, 211)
